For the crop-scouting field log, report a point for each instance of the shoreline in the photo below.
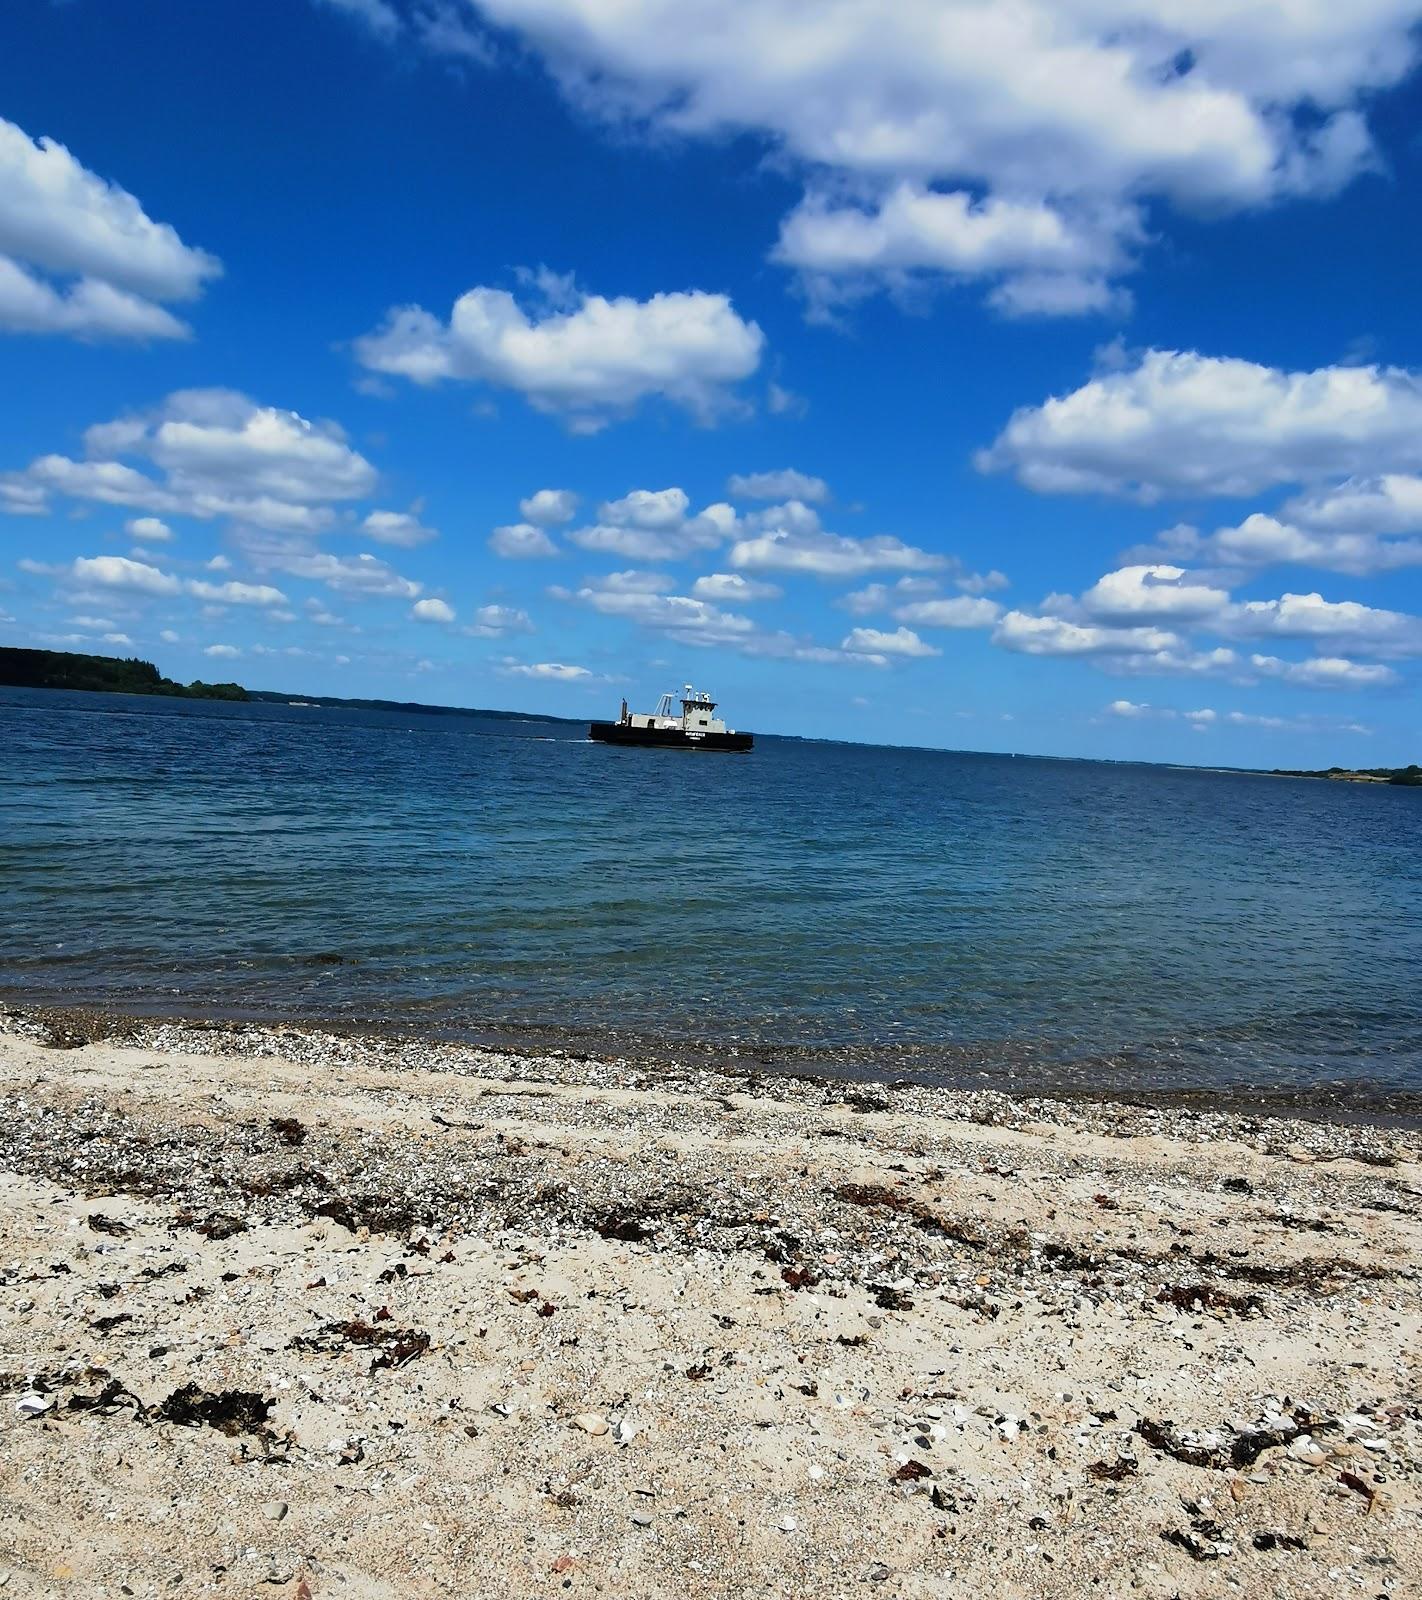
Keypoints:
(288, 1312)
(900, 1067)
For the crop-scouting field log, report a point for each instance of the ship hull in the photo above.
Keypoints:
(668, 738)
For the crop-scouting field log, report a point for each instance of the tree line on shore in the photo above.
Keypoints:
(66, 669)
(1406, 777)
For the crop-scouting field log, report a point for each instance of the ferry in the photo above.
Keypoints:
(695, 728)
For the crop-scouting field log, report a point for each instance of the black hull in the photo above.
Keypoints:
(667, 738)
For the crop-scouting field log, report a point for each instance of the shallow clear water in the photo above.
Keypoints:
(978, 918)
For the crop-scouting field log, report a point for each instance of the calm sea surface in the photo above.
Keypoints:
(970, 918)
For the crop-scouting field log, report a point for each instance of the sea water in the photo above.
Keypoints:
(959, 917)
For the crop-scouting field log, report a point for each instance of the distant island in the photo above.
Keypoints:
(66, 669)
(1407, 777)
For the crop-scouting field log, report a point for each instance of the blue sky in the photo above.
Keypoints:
(1040, 380)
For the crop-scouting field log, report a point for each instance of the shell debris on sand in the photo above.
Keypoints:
(498, 1322)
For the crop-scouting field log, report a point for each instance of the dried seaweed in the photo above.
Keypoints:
(230, 1411)
(287, 1179)
(112, 1398)
(396, 1346)
(1265, 1539)
(921, 1215)
(1243, 1451)
(887, 1298)
(378, 1213)
(1186, 1296)
(1199, 1543)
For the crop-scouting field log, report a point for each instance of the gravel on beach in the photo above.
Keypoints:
(290, 1312)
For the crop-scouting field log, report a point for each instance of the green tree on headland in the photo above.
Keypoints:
(64, 669)
(1408, 777)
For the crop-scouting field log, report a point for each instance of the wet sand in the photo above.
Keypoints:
(283, 1312)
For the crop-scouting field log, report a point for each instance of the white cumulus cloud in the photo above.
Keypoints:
(1067, 108)
(1043, 261)
(218, 454)
(549, 671)
(397, 528)
(121, 573)
(875, 641)
(1206, 719)
(495, 621)
(235, 594)
(80, 256)
(590, 364)
(1055, 636)
(734, 588)
(675, 614)
(958, 611)
(1156, 593)
(549, 507)
(1180, 423)
(658, 509)
(521, 541)
(1175, 661)
(1390, 503)
(432, 610)
(361, 575)
(785, 484)
(641, 598)
(1326, 672)
(1262, 540)
(118, 572)
(1345, 623)
(653, 525)
(148, 530)
(88, 310)
(21, 499)
(789, 538)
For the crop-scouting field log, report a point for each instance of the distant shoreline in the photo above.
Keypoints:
(75, 673)
(69, 673)
(1409, 777)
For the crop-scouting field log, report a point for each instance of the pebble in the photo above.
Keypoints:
(274, 1510)
(591, 1422)
(1304, 1449)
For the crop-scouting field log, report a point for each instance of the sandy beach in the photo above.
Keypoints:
(286, 1313)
